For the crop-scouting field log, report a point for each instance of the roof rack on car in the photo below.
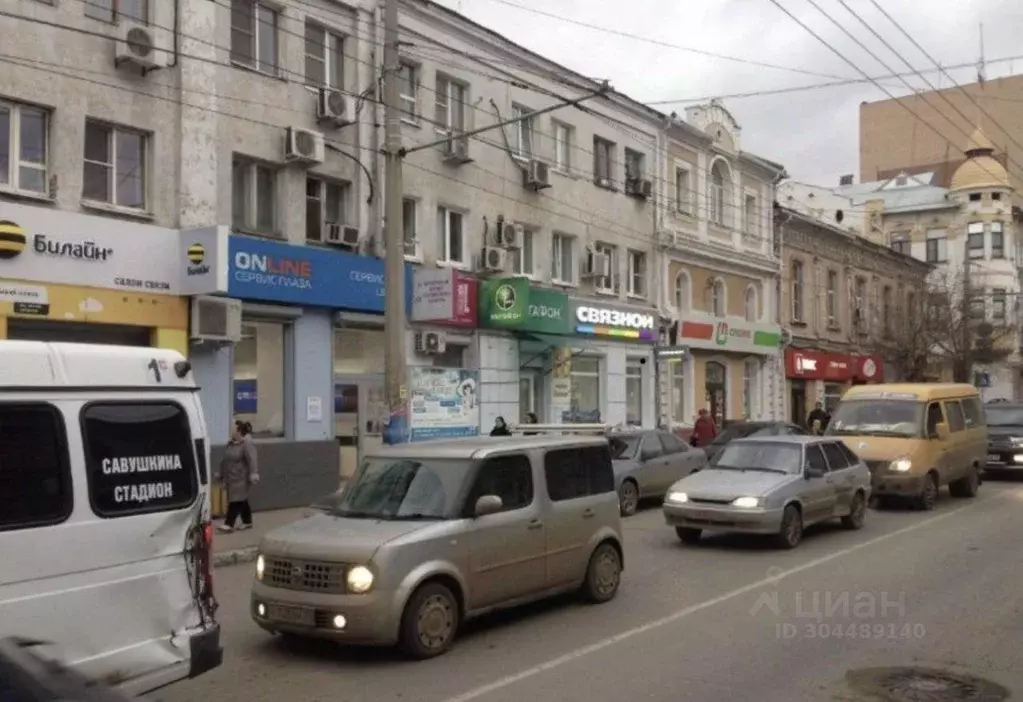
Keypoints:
(560, 428)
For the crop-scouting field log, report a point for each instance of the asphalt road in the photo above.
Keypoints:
(730, 619)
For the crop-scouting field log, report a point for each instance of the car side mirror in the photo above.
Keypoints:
(941, 430)
(809, 473)
(488, 504)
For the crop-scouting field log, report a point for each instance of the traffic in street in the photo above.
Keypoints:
(912, 601)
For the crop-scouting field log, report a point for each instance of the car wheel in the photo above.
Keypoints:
(966, 486)
(430, 621)
(689, 536)
(603, 574)
(857, 513)
(791, 532)
(628, 498)
(928, 496)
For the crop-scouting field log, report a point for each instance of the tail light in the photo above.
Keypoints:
(207, 557)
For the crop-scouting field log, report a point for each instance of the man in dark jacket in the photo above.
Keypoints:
(818, 414)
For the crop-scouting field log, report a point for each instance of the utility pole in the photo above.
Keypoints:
(394, 237)
(966, 314)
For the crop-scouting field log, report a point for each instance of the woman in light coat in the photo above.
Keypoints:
(239, 469)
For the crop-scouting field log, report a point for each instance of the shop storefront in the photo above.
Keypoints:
(823, 376)
(79, 278)
(308, 370)
(726, 370)
(566, 360)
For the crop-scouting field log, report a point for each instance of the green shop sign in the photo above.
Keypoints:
(511, 303)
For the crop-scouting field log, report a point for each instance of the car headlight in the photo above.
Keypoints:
(360, 579)
(746, 502)
(678, 497)
(901, 465)
(260, 566)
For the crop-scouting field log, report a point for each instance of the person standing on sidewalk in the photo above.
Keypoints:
(238, 471)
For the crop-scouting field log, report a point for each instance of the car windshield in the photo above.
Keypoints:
(624, 447)
(741, 431)
(392, 488)
(760, 455)
(877, 418)
(329, 502)
(1004, 416)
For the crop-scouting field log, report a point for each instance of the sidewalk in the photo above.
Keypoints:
(240, 546)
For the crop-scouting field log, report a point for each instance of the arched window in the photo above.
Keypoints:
(751, 305)
(720, 195)
(682, 291)
(718, 303)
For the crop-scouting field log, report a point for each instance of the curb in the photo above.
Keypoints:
(235, 556)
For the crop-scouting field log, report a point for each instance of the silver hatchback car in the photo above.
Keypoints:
(771, 485)
(427, 535)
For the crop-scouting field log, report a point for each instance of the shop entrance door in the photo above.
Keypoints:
(797, 401)
(360, 414)
(528, 386)
(717, 400)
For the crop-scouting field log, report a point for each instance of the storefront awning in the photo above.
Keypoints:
(551, 342)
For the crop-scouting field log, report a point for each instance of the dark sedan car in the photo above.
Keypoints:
(1004, 436)
(744, 430)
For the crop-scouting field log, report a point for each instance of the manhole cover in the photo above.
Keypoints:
(924, 685)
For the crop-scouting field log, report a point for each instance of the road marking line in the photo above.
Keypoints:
(706, 604)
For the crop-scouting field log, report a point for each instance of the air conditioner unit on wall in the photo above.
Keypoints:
(538, 175)
(494, 259)
(597, 265)
(456, 151)
(340, 235)
(334, 108)
(430, 343)
(136, 46)
(510, 235)
(216, 319)
(304, 146)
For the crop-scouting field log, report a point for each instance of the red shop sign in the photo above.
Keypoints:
(809, 364)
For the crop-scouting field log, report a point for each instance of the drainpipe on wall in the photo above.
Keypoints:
(778, 221)
(377, 215)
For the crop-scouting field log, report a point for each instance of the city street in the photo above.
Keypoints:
(731, 619)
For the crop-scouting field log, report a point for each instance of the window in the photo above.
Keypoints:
(607, 284)
(603, 162)
(115, 166)
(850, 457)
(831, 302)
(937, 246)
(522, 132)
(978, 313)
(634, 392)
(999, 304)
(450, 105)
(682, 291)
(634, 164)
(974, 197)
(326, 203)
(815, 458)
(997, 240)
(35, 472)
(254, 195)
(972, 413)
(750, 305)
(956, 418)
(720, 189)
(578, 472)
(24, 133)
(671, 443)
(408, 91)
(837, 459)
(111, 10)
(508, 477)
(683, 186)
(910, 305)
(522, 257)
(901, 244)
(254, 35)
(996, 196)
(410, 224)
(860, 305)
(452, 241)
(750, 214)
(139, 457)
(637, 273)
(259, 377)
(797, 291)
(650, 446)
(562, 147)
(562, 258)
(750, 373)
(934, 418)
(832, 396)
(718, 303)
(886, 309)
(677, 373)
(324, 57)
(975, 240)
(585, 405)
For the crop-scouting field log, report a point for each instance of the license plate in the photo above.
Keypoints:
(994, 458)
(291, 615)
(702, 516)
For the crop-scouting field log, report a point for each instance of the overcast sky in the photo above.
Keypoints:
(814, 133)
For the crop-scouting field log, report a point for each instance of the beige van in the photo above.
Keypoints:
(915, 438)
(426, 535)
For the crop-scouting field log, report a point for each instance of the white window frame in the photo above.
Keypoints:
(831, 299)
(344, 200)
(718, 297)
(519, 258)
(15, 164)
(997, 228)
(684, 301)
(940, 239)
(999, 295)
(638, 272)
(330, 53)
(410, 102)
(751, 304)
(113, 13)
(253, 63)
(453, 91)
(444, 238)
(797, 290)
(750, 387)
(113, 131)
(248, 221)
(716, 204)
(603, 152)
(559, 262)
(562, 143)
(524, 131)
(683, 196)
(635, 164)
(410, 225)
(634, 372)
(751, 215)
(607, 285)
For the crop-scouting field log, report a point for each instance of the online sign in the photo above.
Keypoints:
(606, 322)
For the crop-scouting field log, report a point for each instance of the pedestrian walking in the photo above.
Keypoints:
(500, 428)
(531, 418)
(238, 471)
(704, 429)
(817, 420)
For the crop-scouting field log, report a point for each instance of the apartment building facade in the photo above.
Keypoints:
(719, 273)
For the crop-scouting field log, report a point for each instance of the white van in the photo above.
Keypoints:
(105, 532)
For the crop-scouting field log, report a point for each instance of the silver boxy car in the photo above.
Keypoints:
(427, 535)
(771, 485)
(648, 462)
